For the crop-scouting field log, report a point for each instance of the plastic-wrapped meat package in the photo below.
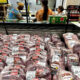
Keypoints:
(47, 39)
(36, 59)
(13, 73)
(56, 64)
(70, 39)
(72, 59)
(38, 72)
(22, 55)
(2, 64)
(63, 75)
(76, 72)
(55, 51)
(14, 60)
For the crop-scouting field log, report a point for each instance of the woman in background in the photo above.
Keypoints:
(15, 13)
(42, 14)
(60, 11)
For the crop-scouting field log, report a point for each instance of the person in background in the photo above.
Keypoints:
(42, 14)
(15, 12)
(60, 11)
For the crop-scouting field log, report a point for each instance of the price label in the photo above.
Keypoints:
(30, 75)
(41, 63)
(15, 49)
(47, 39)
(55, 58)
(72, 43)
(23, 58)
(10, 60)
(42, 47)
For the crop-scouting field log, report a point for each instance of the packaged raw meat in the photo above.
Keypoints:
(14, 60)
(38, 72)
(70, 40)
(56, 64)
(13, 73)
(76, 72)
(72, 59)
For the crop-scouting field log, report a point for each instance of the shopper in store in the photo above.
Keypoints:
(15, 12)
(42, 14)
(60, 11)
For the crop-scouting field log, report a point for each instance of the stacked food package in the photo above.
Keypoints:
(34, 57)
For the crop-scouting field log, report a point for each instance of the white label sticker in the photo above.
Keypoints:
(32, 49)
(14, 36)
(56, 66)
(15, 49)
(10, 60)
(69, 37)
(30, 75)
(55, 58)
(23, 58)
(71, 43)
(47, 39)
(57, 53)
(42, 47)
(72, 57)
(41, 63)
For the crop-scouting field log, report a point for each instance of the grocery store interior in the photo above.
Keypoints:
(39, 39)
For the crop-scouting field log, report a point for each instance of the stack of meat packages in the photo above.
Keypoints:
(23, 57)
(56, 56)
(34, 57)
(73, 59)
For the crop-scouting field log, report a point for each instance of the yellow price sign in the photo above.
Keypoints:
(3, 1)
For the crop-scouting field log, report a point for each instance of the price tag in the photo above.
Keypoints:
(47, 39)
(72, 43)
(15, 49)
(72, 57)
(23, 58)
(15, 36)
(55, 66)
(10, 60)
(41, 63)
(57, 53)
(55, 58)
(42, 47)
(69, 37)
(32, 49)
(30, 75)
